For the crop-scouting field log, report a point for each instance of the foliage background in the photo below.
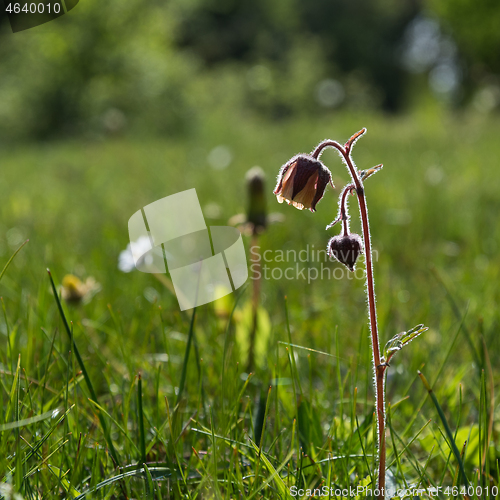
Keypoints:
(156, 68)
(118, 104)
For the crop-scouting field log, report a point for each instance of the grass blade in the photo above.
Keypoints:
(84, 372)
(118, 426)
(26, 421)
(182, 382)
(446, 427)
(456, 312)
(159, 471)
(281, 486)
(141, 420)
(150, 489)
(11, 259)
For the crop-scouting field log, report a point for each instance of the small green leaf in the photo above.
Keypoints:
(364, 174)
(401, 339)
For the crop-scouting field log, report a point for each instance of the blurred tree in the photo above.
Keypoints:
(475, 26)
(219, 30)
(365, 36)
(360, 37)
(94, 70)
(109, 67)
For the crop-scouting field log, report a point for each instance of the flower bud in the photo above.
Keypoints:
(257, 207)
(302, 182)
(345, 249)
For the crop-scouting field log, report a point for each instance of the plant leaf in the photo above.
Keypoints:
(401, 339)
(364, 174)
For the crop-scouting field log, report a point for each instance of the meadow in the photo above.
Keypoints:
(149, 384)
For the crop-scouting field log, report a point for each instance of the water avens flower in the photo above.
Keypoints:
(346, 249)
(302, 182)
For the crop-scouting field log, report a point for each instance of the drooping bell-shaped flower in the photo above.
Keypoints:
(302, 182)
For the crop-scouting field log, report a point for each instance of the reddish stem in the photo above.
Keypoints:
(378, 367)
(343, 211)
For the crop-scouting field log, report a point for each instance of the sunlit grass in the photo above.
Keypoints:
(434, 221)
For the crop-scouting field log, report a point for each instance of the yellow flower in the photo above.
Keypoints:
(74, 290)
(302, 182)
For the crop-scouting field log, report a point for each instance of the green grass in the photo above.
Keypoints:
(130, 398)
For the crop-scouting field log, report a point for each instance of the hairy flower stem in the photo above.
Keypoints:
(343, 212)
(378, 367)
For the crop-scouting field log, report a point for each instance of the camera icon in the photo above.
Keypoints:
(205, 262)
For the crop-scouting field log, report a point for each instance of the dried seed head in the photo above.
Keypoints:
(345, 249)
(302, 182)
